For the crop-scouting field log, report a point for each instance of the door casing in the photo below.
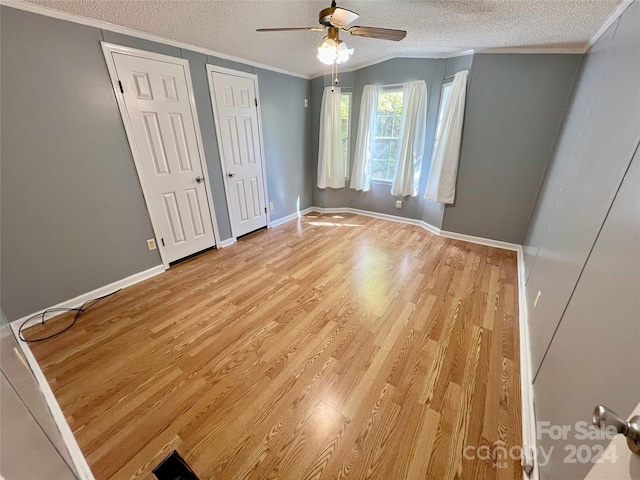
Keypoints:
(251, 76)
(108, 49)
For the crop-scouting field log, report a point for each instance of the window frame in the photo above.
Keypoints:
(347, 159)
(383, 90)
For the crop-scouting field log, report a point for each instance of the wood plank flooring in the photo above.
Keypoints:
(333, 347)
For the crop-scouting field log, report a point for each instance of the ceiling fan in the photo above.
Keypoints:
(332, 50)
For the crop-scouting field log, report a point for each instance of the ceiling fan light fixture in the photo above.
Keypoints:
(328, 51)
(333, 51)
(343, 52)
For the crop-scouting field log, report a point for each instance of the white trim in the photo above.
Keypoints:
(480, 240)
(529, 436)
(90, 22)
(228, 242)
(214, 105)
(391, 56)
(77, 457)
(98, 292)
(108, 49)
(427, 226)
(526, 378)
(49, 12)
(577, 50)
(288, 218)
(608, 22)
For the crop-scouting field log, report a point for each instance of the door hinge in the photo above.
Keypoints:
(121, 88)
(256, 101)
(162, 240)
(265, 209)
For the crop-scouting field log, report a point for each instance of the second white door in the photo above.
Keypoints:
(236, 113)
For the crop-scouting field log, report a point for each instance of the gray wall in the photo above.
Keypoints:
(329, 197)
(285, 120)
(73, 214)
(391, 72)
(582, 248)
(502, 161)
(514, 109)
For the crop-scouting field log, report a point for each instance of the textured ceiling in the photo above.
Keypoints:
(433, 26)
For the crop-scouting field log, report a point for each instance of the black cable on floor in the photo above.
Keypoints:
(79, 311)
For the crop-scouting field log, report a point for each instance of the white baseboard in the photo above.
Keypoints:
(481, 241)
(427, 226)
(528, 414)
(288, 218)
(77, 457)
(526, 378)
(98, 292)
(227, 243)
(529, 435)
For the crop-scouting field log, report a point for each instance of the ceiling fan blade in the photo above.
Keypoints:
(291, 29)
(375, 32)
(342, 17)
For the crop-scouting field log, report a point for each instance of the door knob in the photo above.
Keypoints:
(604, 417)
(230, 174)
(199, 179)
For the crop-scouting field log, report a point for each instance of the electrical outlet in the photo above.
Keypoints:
(270, 205)
(398, 203)
(306, 102)
(151, 243)
(535, 302)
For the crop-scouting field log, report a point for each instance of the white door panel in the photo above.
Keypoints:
(156, 97)
(237, 121)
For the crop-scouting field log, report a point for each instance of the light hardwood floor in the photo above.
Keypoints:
(337, 346)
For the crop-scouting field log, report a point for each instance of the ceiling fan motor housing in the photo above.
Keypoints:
(325, 16)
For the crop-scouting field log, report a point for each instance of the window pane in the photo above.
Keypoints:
(393, 150)
(396, 127)
(385, 125)
(345, 127)
(379, 170)
(381, 150)
(388, 120)
(345, 105)
(391, 169)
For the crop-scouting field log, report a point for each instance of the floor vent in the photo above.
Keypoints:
(174, 468)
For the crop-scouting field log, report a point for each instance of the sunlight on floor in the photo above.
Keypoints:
(331, 224)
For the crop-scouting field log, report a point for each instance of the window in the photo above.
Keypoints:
(345, 125)
(444, 98)
(387, 134)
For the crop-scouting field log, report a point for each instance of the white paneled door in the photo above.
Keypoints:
(157, 97)
(236, 108)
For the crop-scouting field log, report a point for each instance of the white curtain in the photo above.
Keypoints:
(361, 173)
(441, 185)
(406, 180)
(330, 160)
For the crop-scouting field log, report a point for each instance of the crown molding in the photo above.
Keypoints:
(535, 50)
(608, 22)
(102, 25)
(392, 56)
